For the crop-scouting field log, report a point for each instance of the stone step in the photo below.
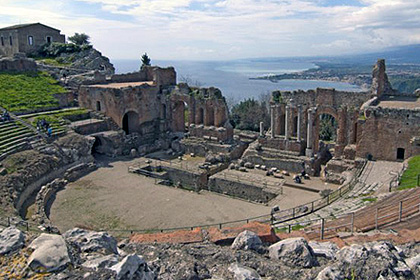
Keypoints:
(13, 148)
(5, 125)
(12, 130)
(6, 141)
(13, 143)
(13, 134)
(48, 112)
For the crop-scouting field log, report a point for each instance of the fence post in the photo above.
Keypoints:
(322, 228)
(400, 212)
(293, 212)
(312, 207)
(352, 223)
(339, 191)
(290, 228)
(328, 199)
(376, 219)
(272, 218)
(220, 226)
(27, 226)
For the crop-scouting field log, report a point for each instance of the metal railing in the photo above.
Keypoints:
(308, 208)
(272, 218)
(392, 214)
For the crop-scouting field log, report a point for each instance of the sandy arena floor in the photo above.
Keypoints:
(112, 198)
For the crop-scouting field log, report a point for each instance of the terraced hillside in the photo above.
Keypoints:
(57, 119)
(22, 92)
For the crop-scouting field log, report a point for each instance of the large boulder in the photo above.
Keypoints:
(92, 241)
(11, 239)
(293, 252)
(133, 267)
(324, 249)
(98, 262)
(50, 253)
(76, 147)
(243, 273)
(413, 262)
(376, 260)
(330, 273)
(247, 240)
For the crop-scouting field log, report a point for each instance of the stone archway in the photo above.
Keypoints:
(209, 116)
(200, 116)
(130, 122)
(179, 116)
(325, 114)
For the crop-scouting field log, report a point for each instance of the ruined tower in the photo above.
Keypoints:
(380, 82)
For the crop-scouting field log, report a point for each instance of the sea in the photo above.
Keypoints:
(233, 77)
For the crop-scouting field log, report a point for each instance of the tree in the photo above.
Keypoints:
(80, 39)
(145, 60)
(327, 128)
(248, 114)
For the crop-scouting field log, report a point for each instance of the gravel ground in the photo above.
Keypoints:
(112, 198)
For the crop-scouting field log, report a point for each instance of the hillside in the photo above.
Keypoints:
(28, 91)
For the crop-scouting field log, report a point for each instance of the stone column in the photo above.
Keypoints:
(287, 126)
(272, 121)
(341, 132)
(299, 116)
(310, 132)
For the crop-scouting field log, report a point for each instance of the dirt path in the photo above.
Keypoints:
(112, 198)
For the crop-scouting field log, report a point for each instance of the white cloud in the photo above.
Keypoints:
(223, 29)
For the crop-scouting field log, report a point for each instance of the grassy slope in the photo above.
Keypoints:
(409, 178)
(21, 92)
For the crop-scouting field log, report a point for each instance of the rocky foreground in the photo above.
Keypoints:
(82, 254)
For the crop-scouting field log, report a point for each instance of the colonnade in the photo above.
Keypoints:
(298, 120)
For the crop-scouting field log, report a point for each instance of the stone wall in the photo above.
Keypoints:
(202, 148)
(187, 179)
(65, 99)
(386, 130)
(18, 63)
(92, 127)
(242, 190)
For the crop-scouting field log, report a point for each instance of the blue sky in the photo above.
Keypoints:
(226, 29)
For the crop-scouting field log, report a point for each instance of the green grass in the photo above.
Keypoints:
(286, 229)
(409, 177)
(23, 92)
(52, 62)
(369, 199)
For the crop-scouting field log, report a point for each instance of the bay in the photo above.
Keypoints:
(233, 77)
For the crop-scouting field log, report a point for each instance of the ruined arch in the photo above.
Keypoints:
(200, 116)
(209, 116)
(179, 115)
(130, 122)
(324, 111)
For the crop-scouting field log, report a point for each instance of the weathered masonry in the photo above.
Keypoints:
(27, 38)
(150, 104)
(379, 124)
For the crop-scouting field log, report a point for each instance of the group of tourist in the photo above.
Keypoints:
(298, 177)
(43, 125)
(5, 117)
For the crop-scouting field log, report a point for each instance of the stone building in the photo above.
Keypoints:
(27, 38)
(150, 104)
(379, 124)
